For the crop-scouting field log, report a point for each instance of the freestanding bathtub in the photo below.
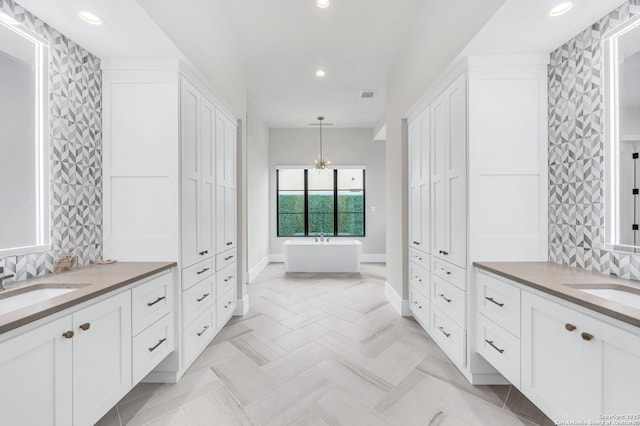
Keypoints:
(334, 256)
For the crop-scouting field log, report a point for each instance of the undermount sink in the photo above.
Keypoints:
(613, 292)
(12, 300)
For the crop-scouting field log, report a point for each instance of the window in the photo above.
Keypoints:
(326, 202)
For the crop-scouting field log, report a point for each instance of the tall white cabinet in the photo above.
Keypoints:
(485, 157)
(170, 192)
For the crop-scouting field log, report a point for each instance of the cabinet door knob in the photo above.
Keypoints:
(159, 299)
(202, 253)
(587, 336)
(492, 300)
(85, 326)
(569, 327)
(161, 341)
(68, 334)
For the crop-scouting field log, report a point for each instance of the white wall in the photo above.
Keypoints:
(257, 189)
(353, 147)
(439, 33)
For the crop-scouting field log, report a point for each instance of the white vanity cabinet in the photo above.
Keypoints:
(71, 369)
(575, 366)
(101, 357)
(573, 363)
(36, 376)
(486, 170)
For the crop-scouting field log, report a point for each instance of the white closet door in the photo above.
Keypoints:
(456, 174)
(208, 185)
(191, 155)
(438, 161)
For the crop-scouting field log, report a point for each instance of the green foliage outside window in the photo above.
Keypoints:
(321, 218)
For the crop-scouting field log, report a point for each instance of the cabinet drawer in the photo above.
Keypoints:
(226, 306)
(198, 335)
(197, 273)
(224, 259)
(499, 302)
(450, 299)
(197, 299)
(451, 273)
(419, 279)
(152, 346)
(419, 306)
(450, 337)
(419, 258)
(500, 348)
(226, 279)
(151, 301)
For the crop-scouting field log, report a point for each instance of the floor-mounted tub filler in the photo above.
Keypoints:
(336, 255)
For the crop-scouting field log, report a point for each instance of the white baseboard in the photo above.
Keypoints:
(258, 267)
(401, 306)
(366, 258)
(243, 306)
(374, 258)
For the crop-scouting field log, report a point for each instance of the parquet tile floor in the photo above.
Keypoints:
(322, 349)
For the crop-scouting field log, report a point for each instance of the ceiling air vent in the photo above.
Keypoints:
(367, 94)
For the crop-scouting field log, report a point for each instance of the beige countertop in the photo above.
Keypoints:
(95, 280)
(556, 280)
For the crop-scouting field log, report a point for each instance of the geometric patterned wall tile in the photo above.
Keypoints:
(75, 102)
(576, 152)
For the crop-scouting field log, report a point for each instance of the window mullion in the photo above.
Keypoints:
(335, 202)
(306, 203)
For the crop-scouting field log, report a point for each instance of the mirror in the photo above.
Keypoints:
(24, 140)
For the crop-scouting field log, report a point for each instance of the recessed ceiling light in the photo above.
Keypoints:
(8, 19)
(560, 9)
(89, 17)
(320, 73)
(322, 4)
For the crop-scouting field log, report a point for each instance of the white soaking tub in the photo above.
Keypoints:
(337, 255)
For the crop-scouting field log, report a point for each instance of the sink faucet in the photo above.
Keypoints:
(4, 277)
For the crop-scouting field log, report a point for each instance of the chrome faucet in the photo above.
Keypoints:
(4, 277)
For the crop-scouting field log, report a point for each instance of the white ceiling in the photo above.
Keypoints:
(286, 41)
(128, 31)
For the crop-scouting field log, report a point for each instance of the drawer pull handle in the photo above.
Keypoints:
(229, 243)
(159, 299)
(587, 336)
(202, 253)
(492, 300)
(419, 258)
(161, 341)
(68, 334)
(85, 326)
(416, 243)
(228, 278)
(203, 271)
(490, 342)
(204, 296)
(228, 257)
(445, 298)
(444, 253)
(226, 306)
(570, 327)
(444, 332)
(206, 327)
(445, 271)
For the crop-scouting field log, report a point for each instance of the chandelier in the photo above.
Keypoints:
(321, 164)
